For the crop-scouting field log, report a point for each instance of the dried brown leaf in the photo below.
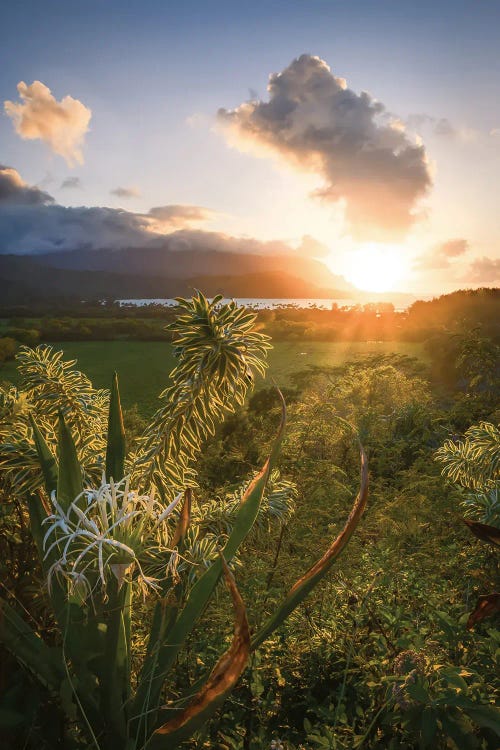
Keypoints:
(487, 606)
(184, 518)
(484, 532)
(224, 675)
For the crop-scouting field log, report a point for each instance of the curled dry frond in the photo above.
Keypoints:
(222, 679)
(487, 605)
(484, 531)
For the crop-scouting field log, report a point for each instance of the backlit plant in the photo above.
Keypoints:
(112, 528)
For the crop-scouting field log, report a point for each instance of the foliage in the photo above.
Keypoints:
(8, 348)
(473, 464)
(101, 539)
(406, 584)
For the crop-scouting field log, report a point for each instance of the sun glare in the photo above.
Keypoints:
(374, 267)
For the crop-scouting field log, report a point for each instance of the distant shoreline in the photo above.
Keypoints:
(263, 303)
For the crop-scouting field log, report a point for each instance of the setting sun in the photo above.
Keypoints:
(377, 267)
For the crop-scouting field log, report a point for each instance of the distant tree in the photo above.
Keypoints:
(8, 348)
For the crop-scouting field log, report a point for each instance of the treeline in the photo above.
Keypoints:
(451, 314)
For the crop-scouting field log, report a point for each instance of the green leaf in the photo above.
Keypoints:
(10, 719)
(115, 449)
(115, 678)
(428, 727)
(486, 716)
(453, 678)
(459, 730)
(37, 515)
(43, 662)
(69, 483)
(417, 692)
(48, 462)
(152, 678)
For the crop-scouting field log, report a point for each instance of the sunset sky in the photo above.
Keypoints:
(377, 138)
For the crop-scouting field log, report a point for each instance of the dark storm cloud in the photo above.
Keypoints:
(31, 222)
(315, 122)
(31, 229)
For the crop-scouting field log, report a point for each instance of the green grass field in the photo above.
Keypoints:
(143, 367)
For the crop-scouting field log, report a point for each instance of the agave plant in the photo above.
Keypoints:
(111, 530)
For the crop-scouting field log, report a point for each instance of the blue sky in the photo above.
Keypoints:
(154, 75)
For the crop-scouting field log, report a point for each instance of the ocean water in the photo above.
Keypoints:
(257, 303)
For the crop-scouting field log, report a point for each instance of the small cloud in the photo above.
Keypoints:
(442, 255)
(14, 191)
(438, 125)
(441, 126)
(39, 116)
(71, 183)
(197, 120)
(453, 248)
(495, 132)
(175, 215)
(444, 127)
(126, 192)
(484, 270)
(317, 124)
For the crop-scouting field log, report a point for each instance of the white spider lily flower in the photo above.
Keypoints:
(119, 535)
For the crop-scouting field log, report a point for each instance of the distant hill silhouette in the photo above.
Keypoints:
(189, 262)
(153, 273)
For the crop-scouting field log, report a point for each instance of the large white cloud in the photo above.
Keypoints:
(61, 125)
(315, 122)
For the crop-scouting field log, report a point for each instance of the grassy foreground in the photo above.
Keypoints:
(144, 366)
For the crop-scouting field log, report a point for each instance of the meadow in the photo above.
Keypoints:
(396, 648)
(144, 366)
